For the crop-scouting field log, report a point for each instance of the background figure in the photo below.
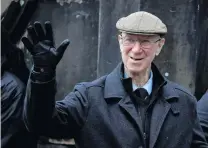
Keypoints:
(13, 131)
(14, 74)
(202, 109)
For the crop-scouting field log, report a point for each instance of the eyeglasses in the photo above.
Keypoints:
(127, 41)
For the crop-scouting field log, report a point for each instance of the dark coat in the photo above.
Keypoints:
(13, 132)
(101, 114)
(202, 109)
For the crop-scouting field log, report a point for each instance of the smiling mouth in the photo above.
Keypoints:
(136, 59)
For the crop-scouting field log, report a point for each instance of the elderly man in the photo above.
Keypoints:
(132, 107)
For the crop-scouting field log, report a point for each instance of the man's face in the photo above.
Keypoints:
(138, 51)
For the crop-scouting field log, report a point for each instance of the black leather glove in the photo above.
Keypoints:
(45, 55)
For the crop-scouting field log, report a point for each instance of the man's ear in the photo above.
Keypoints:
(158, 51)
(160, 45)
(119, 39)
(120, 42)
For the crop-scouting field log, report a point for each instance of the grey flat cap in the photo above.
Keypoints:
(141, 23)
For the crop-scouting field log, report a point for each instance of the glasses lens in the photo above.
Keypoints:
(145, 43)
(128, 41)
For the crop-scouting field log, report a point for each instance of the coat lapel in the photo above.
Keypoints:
(114, 88)
(160, 111)
(130, 111)
(159, 114)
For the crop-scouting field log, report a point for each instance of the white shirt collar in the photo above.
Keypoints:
(147, 86)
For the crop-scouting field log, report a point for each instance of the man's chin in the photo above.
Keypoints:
(135, 71)
(137, 68)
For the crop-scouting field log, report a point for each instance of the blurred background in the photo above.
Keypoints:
(94, 50)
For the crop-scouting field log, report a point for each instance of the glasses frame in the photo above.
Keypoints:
(139, 41)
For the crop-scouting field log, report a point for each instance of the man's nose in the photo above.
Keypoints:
(137, 47)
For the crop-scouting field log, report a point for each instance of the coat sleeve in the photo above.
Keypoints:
(62, 119)
(202, 109)
(198, 140)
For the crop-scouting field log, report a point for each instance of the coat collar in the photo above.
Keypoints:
(118, 87)
(113, 84)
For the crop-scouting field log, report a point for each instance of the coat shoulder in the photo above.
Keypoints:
(183, 92)
(98, 83)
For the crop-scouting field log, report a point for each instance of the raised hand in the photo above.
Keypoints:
(41, 46)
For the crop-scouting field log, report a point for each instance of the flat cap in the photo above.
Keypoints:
(141, 23)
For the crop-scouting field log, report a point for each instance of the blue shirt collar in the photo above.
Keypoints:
(147, 86)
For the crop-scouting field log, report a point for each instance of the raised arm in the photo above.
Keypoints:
(41, 113)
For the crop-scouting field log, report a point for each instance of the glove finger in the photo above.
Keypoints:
(39, 30)
(49, 31)
(61, 49)
(28, 45)
(32, 34)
